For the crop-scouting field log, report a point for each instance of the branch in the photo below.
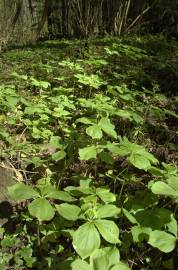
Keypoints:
(139, 16)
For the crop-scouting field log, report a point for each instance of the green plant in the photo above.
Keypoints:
(93, 144)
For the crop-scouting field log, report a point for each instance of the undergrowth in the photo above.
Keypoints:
(90, 130)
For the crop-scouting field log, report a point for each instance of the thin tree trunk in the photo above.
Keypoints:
(19, 5)
(43, 18)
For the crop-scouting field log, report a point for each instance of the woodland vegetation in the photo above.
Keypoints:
(88, 135)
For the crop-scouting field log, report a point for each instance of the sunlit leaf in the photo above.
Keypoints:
(86, 239)
(109, 230)
(20, 192)
(68, 211)
(88, 153)
(162, 240)
(41, 209)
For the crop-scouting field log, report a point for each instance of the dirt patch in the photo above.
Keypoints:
(6, 203)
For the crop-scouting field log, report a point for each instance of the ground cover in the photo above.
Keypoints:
(90, 132)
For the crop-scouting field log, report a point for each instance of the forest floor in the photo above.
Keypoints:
(90, 119)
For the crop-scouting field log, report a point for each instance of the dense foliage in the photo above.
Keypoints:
(90, 132)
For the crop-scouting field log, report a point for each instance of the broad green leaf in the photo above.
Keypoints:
(120, 266)
(116, 149)
(107, 210)
(60, 195)
(153, 218)
(86, 239)
(173, 182)
(88, 153)
(59, 155)
(124, 114)
(44, 84)
(107, 127)
(172, 226)
(78, 191)
(55, 142)
(106, 157)
(7, 242)
(99, 260)
(137, 118)
(41, 84)
(68, 211)
(85, 182)
(156, 171)
(86, 121)
(20, 192)
(90, 80)
(140, 158)
(162, 188)
(170, 169)
(105, 195)
(45, 187)
(129, 216)
(139, 161)
(95, 132)
(140, 233)
(65, 264)
(12, 101)
(108, 229)
(149, 156)
(137, 155)
(162, 240)
(80, 265)
(113, 255)
(41, 209)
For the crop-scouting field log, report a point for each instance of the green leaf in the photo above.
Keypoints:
(55, 142)
(162, 240)
(99, 260)
(139, 161)
(107, 211)
(149, 156)
(140, 158)
(113, 255)
(137, 155)
(172, 226)
(116, 149)
(86, 121)
(105, 195)
(88, 153)
(108, 127)
(59, 155)
(12, 101)
(162, 188)
(80, 265)
(60, 195)
(156, 171)
(106, 157)
(120, 266)
(140, 233)
(95, 132)
(109, 230)
(20, 192)
(153, 218)
(68, 211)
(86, 239)
(173, 182)
(41, 84)
(41, 209)
(7, 241)
(129, 216)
